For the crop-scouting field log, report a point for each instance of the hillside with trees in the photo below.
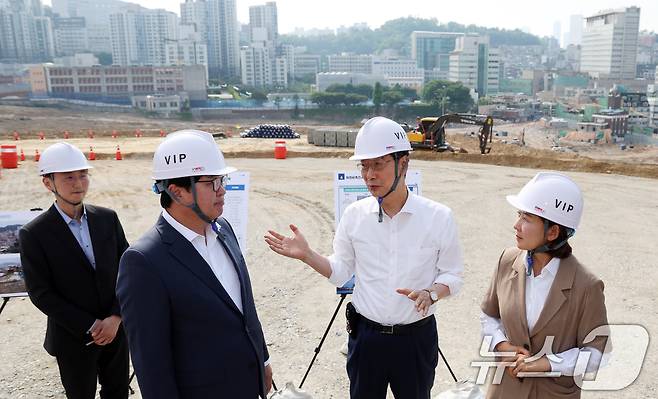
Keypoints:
(396, 34)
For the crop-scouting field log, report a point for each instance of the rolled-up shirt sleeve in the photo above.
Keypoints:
(565, 362)
(492, 327)
(450, 265)
(342, 261)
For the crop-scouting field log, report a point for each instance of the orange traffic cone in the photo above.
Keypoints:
(66, 134)
(41, 135)
(37, 156)
(162, 133)
(92, 154)
(118, 154)
(22, 155)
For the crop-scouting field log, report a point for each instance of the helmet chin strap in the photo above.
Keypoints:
(194, 206)
(546, 247)
(393, 187)
(59, 196)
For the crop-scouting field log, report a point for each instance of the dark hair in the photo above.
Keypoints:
(565, 250)
(182, 182)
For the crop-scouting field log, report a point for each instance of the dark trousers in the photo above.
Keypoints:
(79, 370)
(406, 362)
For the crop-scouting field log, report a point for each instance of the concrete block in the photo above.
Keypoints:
(318, 138)
(330, 139)
(351, 138)
(341, 139)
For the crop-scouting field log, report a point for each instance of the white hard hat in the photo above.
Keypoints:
(552, 196)
(188, 153)
(62, 157)
(379, 136)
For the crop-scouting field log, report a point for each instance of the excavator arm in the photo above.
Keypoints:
(436, 132)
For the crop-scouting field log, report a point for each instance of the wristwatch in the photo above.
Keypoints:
(433, 295)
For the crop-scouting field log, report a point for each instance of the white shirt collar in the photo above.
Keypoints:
(189, 235)
(66, 217)
(551, 267)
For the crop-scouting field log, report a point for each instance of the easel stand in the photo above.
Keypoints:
(317, 350)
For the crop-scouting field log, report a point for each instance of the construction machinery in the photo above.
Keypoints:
(430, 132)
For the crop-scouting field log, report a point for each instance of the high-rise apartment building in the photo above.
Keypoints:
(97, 18)
(25, 34)
(189, 49)
(265, 19)
(223, 39)
(70, 35)
(431, 50)
(195, 12)
(141, 37)
(609, 48)
(475, 64)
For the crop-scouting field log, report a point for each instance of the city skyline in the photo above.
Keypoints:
(331, 15)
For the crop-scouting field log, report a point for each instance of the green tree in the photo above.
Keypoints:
(392, 97)
(364, 90)
(377, 97)
(354, 99)
(452, 96)
(324, 99)
(396, 33)
(258, 96)
(407, 92)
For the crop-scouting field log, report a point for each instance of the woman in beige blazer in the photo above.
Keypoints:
(542, 303)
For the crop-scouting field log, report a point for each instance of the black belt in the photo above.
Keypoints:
(397, 329)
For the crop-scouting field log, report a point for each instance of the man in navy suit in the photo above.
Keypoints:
(184, 289)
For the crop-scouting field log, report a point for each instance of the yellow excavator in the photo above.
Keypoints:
(430, 132)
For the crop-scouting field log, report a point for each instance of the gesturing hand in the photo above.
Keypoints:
(293, 247)
(422, 299)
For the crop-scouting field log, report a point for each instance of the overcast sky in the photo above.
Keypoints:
(537, 17)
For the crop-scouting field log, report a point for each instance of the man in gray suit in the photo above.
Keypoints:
(184, 288)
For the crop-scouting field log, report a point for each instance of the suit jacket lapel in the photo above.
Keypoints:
(184, 252)
(63, 233)
(518, 290)
(556, 295)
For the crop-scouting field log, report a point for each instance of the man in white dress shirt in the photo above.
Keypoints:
(404, 252)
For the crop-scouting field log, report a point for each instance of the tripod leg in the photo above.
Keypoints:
(447, 365)
(4, 303)
(132, 392)
(317, 350)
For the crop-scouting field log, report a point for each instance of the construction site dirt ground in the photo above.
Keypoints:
(617, 241)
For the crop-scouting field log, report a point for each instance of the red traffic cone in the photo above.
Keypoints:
(162, 133)
(22, 155)
(92, 154)
(118, 156)
(66, 134)
(16, 136)
(114, 134)
(41, 136)
(37, 156)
